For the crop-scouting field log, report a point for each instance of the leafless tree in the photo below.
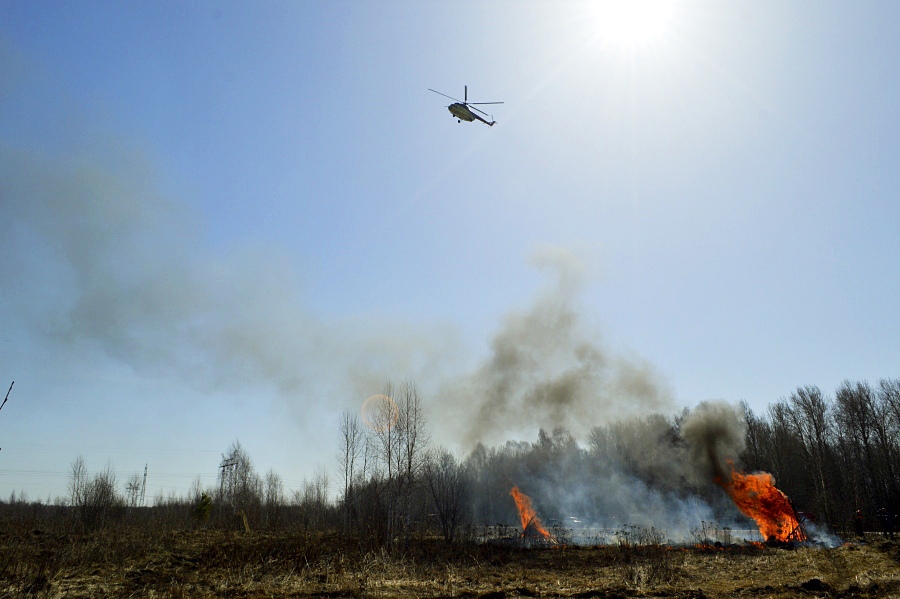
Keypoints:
(808, 417)
(350, 450)
(100, 501)
(784, 444)
(133, 490)
(384, 434)
(381, 420)
(412, 444)
(78, 480)
(274, 498)
(398, 435)
(886, 435)
(240, 488)
(759, 440)
(889, 394)
(855, 415)
(312, 499)
(448, 486)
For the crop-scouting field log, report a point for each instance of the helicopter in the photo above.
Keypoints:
(462, 111)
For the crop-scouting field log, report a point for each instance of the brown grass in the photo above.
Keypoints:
(211, 563)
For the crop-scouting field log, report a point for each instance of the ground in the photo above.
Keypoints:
(213, 563)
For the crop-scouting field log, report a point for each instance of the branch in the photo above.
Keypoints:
(7, 395)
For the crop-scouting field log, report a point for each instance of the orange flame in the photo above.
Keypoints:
(528, 515)
(757, 497)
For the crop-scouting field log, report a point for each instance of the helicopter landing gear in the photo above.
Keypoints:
(458, 121)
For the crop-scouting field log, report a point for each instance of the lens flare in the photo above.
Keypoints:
(379, 413)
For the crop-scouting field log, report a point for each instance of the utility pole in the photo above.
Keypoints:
(144, 486)
(226, 467)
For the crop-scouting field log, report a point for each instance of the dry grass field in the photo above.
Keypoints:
(212, 563)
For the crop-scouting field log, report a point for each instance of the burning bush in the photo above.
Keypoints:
(531, 523)
(758, 498)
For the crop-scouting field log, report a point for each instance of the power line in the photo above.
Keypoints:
(117, 450)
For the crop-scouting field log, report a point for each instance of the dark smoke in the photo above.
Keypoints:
(716, 434)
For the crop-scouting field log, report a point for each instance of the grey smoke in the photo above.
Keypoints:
(548, 368)
(98, 263)
(104, 264)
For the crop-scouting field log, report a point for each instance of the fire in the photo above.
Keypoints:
(528, 515)
(757, 497)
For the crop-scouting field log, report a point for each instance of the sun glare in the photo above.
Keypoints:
(633, 22)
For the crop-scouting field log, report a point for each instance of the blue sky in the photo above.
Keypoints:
(235, 220)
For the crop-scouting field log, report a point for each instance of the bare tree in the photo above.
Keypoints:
(784, 443)
(312, 499)
(808, 417)
(381, 420)
(759, 440)
(78, 480)
(133, 490)
(886, 445)
(397, 432)
(412, 443)
(855, 414)
(100, 501)
(448, 486)
(240, 488)
(274, 498)
(350, 450)
(889, 393)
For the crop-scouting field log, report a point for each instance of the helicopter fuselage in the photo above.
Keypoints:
(464, 113)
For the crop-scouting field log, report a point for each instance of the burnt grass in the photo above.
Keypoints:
(143, 562)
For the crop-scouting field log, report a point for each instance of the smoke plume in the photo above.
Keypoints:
(715, 433)
(98, 264)
(548, 369)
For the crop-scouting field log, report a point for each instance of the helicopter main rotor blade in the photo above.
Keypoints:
(445, 95)
(470, 103)
(479, 110)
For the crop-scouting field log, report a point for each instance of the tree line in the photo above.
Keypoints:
(832, 455)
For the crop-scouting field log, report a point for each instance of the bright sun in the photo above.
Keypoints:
(633, 22)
